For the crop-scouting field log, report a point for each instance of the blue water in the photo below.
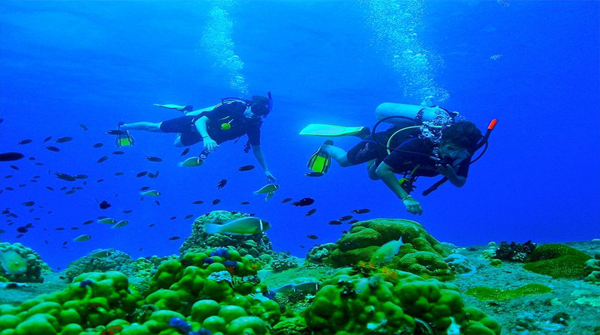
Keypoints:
(67, 63)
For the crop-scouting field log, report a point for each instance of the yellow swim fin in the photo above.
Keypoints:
(320, 161)
(328, 130)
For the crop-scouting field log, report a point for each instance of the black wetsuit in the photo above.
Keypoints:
(228, 112)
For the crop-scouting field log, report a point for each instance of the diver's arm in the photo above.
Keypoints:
(450, 173)
(209, 143)
(386, 173)
(260, 157)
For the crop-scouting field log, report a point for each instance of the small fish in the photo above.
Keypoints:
(83, 126)
(71, 192)
(286, 200)
(387, 251)
(47, 139)
(74, 228)
(100, 254)
(361, 211)
(312, 237)
(104, 204)
(173, 238)
(154, 159)
(81, 176)
(88, 222)
(311, 212)
(107, 221)
(25, 141)
(64, 139)
(102, 159)
(335, 222)
(222, 183)
(495, 57)
(244, 203)
(118, 152)
(52, 148)
(14, 167)
(157, 202)
(352, 221)
(150, 193)
(22, 230)
(151, 225)
(185, 152)
(127, 211)
(28, 203)
(97, 145)
(315, 174)
(242, 226)
(10, 156)
(216, 202)
(141, 174)
(153, 175)
(198, 202)
(246, 168)
(12, 262)
(189, 216)
(345, 218)
(119, 173)
(63, 188)
(39, 164)
(269, 188)
(172, 218)
(303, 202)
(31, 158)
(100, 180)
(191, 162)
(64, 176)
(120, 224)
(82, 238)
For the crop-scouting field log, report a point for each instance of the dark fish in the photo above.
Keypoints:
(312, 237)
(286, 200)
(28, 203)
(352, 221)
(303, 202)
(74, 228)
(64, 243)
(144, 188)
(63, 188)
(99, 180)
(335, 222)
(157, 202)
(154, 159)
(189, 216)
(71, 192)
(198, 202)
(60, 228)
(31, 158)
(8, 188)
(222, 183)
(151, 225)
(25, 141)
(153, 175)
(172, 218)
(314, 174)
(39, 164)
(22, 230)
(19, 236)
(119, 173)
(65, 176)
(246, 168)
(345, 218)
(302, 247)
(47, 139)
(97, 145)
(127, 211)
(141, 174)
(361, 211)
(185, 151)
(36, 177)
(51, 148)
(118, 152)
(88, 222)
(116, 132)
(14, 167)
(244, 203)
(22, 185)
(216, 201)
(83, 126)
(311, 212)
(10, 156)
(174, 238)
(104, 204)
(102, 159)
(8, 176)
(81, 176)
(344, 232)
(64, 139)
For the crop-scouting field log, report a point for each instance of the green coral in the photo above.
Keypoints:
(351, 303)
(557, 261)
(496, 294)
(35, 266)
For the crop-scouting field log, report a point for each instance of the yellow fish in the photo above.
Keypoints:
(107, 221)
(151, 193)
(249, 225)
(269, 188)
(387, 251)
(12, 262)
(192, 161)
(82, 238)
(120, 224)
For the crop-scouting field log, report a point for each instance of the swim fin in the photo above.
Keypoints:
(124, 138)
(320, 161)
(328, 130)
(177, 107)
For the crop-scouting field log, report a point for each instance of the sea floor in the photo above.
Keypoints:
(573, 306)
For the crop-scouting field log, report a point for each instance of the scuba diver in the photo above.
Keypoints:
(423, 141)
(229, 120)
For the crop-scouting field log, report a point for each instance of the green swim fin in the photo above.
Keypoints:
(328, 130)
(320, 161)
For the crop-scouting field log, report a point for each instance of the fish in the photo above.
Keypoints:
(387, 251)
(31, 158)
(47, 139)
(8, 176)
(102, 159)
(100, 254)
(83, 126)
(245, 226)
(245, 168)
(119, 173)
(172, 218)
(82, 238)
(184, 152)
(198, 202)
(335, 222)
(346, 218)
(189, 216)
(64, 139)
(12, 262)
(52, 148)
(141, 174)
(107, 220)
(39, 164)
(71, 192)
(269, 188)
(361, 211)
(118, 152)
(120, 224)
(22, 230)
(216, 202)
(244, 203)
(104, 204)
(154, 159)
(495, 57)
(286, 200)
(312, 237)
(14, 167)
(28, 203)
(63, 188)
(151, 225)
(222, 183)
(191, 162)
(64, 176)
(157, 202)
(153, 175)
(352, 221)
(127, 211)
(314, 174)
(10, 156)
(25, 141)
(311, 212)
(88, 222)
(150, 193)
(100, 180)
(303, 202)
(2, 231)
(98, 145)
(81, 176)
(173, 238)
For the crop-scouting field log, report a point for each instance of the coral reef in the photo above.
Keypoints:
(514, 252)
(591, 269)
(496, 294)
(460, 265)
(557, 261)
(319, 253)
(284, 261)
(33, 266)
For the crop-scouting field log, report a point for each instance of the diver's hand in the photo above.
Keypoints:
(446, 170)
(209, 144)
(412, 206)
(270, 177)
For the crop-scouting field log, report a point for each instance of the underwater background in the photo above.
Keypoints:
(533, 65)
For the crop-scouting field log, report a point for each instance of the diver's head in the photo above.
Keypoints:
(260, 105)
(460, 137)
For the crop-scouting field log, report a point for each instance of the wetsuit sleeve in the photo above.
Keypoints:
(254, 136)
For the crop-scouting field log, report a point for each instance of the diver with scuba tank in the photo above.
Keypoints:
(423, 141)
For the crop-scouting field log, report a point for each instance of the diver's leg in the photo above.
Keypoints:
(147, 126)
(178, 141)
(338, 154)
(372, 169)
